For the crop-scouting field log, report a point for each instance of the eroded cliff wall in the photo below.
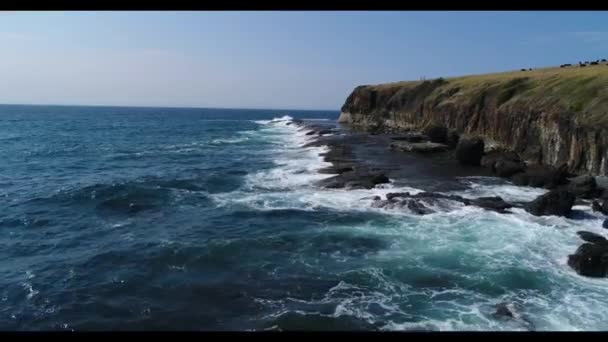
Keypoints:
(549, 117)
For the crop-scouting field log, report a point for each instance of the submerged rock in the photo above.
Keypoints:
(503, 311)
(602, 208)
(469, 151)
(555, 202)
(420, 147)
(605, 224)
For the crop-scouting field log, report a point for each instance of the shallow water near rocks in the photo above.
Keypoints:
(206, 219)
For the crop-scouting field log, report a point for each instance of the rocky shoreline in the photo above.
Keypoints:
(564, 189)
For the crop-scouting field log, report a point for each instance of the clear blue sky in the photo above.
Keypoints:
(299, 60)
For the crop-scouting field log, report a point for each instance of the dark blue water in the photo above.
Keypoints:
(208, 219)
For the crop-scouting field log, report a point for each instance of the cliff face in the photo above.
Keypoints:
(549, 117)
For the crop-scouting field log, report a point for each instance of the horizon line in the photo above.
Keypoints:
(165, 107)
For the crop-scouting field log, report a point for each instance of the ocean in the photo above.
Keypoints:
(116, 218)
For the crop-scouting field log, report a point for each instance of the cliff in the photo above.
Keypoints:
(551, 116)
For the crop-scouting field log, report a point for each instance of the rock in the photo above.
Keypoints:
(591, 237)
(373, 198)
(602, 182)
(452, 138)
(492, 203)
(469, 151)
(583, 186)
(422, 147)
(541, 177)
(490, 159)
(596, 206)
(311, 132)
(590, 259)
(507, 168)
(411, 137)
(555, 202)
(380, 204)
(354, 180)
(418, 208)
(392, 195)
(602, 208)
(325, 131)
(337, 168)
(437, 133)
(605, 223)
(502, 310)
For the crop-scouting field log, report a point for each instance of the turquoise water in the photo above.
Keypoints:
(208, 219)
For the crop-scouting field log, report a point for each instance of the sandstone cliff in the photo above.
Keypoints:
(550, 116)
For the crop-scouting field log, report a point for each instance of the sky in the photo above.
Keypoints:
(275, 60)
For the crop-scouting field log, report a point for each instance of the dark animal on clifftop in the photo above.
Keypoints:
(583, 65)
(523, 70)
(594, 63)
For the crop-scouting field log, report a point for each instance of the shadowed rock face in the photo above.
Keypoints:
(542, 129)
(469, 151)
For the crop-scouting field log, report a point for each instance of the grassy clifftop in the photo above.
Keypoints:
(581, 91)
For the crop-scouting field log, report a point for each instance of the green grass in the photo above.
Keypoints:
(580, 91)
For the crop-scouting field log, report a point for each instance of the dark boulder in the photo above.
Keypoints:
(436, 133)
(469, 151)
(418, 208)
(541, 177)
(605, 223)
(555, 202)
(452, 138)
(584, 186)
(492, 203)
(337, 168)
(354, 180)
(590, 259)
(507, 168)
(591, 237)
(392, 195)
